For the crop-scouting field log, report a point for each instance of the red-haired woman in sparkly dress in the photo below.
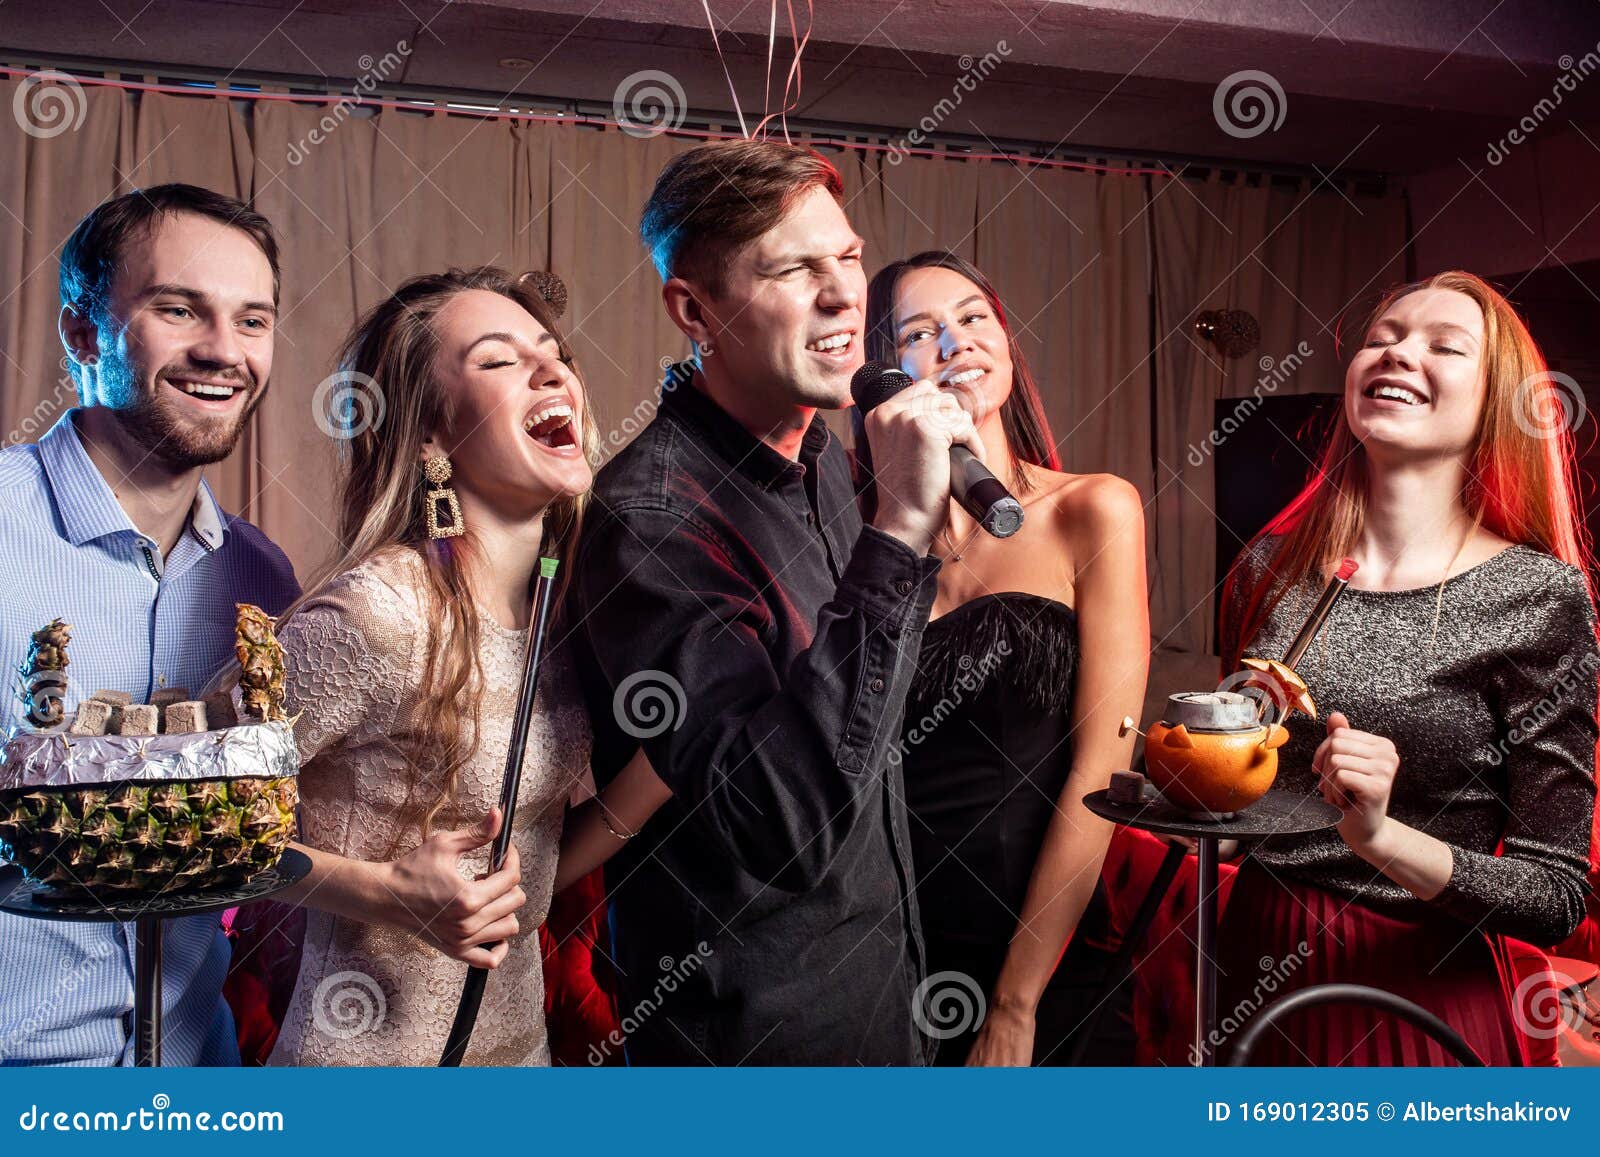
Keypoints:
(1458, 680)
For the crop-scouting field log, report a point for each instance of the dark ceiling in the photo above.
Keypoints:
(1369, 85)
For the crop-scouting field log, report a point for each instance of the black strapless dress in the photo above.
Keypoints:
(986, 751)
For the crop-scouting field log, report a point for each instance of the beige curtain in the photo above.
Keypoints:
(1070, 252)
(361, 203)
(1297, 259)
(599, 180)
(46, 184)
(376, 201)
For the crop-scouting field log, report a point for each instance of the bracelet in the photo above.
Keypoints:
(605, 818)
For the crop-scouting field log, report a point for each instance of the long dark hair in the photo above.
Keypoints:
(1022, 413)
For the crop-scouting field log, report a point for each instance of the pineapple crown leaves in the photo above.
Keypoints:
(260, 662)
(50, 641)
(44, 673)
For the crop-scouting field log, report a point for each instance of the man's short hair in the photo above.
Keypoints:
(713, 200)
(92, 255)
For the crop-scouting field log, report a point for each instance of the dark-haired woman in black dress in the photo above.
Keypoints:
(1038, 647)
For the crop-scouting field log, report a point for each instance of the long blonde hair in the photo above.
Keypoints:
(1522, 475)
(392, 350)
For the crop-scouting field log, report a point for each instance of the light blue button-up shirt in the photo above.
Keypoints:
(139, 622)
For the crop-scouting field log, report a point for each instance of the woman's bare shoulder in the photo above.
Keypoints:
(1099, 504)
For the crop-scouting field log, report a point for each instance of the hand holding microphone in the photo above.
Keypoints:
(925, 451)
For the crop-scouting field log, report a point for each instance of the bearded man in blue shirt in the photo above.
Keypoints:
(169, 303)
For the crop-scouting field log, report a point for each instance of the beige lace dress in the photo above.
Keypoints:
(372, 995)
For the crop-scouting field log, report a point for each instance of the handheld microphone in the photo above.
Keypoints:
(979, 492)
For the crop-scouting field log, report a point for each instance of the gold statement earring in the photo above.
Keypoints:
(437, 470)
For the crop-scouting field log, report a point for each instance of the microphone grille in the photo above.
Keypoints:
(875, 383)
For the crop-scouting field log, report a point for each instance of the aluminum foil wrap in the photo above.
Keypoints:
(56, 759)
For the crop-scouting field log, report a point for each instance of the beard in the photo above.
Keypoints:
(154, 420)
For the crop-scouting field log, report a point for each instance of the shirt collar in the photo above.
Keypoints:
(85, 503)
(742, 449)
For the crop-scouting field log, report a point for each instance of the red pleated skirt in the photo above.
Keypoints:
(1277, 938)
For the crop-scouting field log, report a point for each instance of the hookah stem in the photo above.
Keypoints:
(1314, 621)
(510, 788)
(472, 990)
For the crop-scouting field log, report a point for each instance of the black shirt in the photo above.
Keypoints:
(740, 622)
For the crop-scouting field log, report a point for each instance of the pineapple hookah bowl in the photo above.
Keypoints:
(143, 826)
(219, 794)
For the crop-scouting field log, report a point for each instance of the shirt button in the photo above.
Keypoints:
(811, 518)
(877, 686)
(903, 586)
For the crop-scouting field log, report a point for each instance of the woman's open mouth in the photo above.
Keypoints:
(552, 427)
(1396, 393)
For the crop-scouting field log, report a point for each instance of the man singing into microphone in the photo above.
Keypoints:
(742, 624)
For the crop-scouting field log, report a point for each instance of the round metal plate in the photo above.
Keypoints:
(33, 899)
(1278, 813)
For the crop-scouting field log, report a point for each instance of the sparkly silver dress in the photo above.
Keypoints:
(1494, 721)
(1493, 717)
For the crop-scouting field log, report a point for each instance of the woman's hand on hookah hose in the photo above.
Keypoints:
(1355, 770)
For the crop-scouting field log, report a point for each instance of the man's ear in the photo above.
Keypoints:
(683, 307)
(79, 335)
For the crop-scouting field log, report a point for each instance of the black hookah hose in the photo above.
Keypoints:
(455, 1046)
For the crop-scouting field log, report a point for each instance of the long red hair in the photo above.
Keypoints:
(1522, 477)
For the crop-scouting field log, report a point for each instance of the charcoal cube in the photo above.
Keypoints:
(94, 717)
(140, 719)
(1126, 787)
(184, 718)
(115, 698)
(167, 696)
(220, 712)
